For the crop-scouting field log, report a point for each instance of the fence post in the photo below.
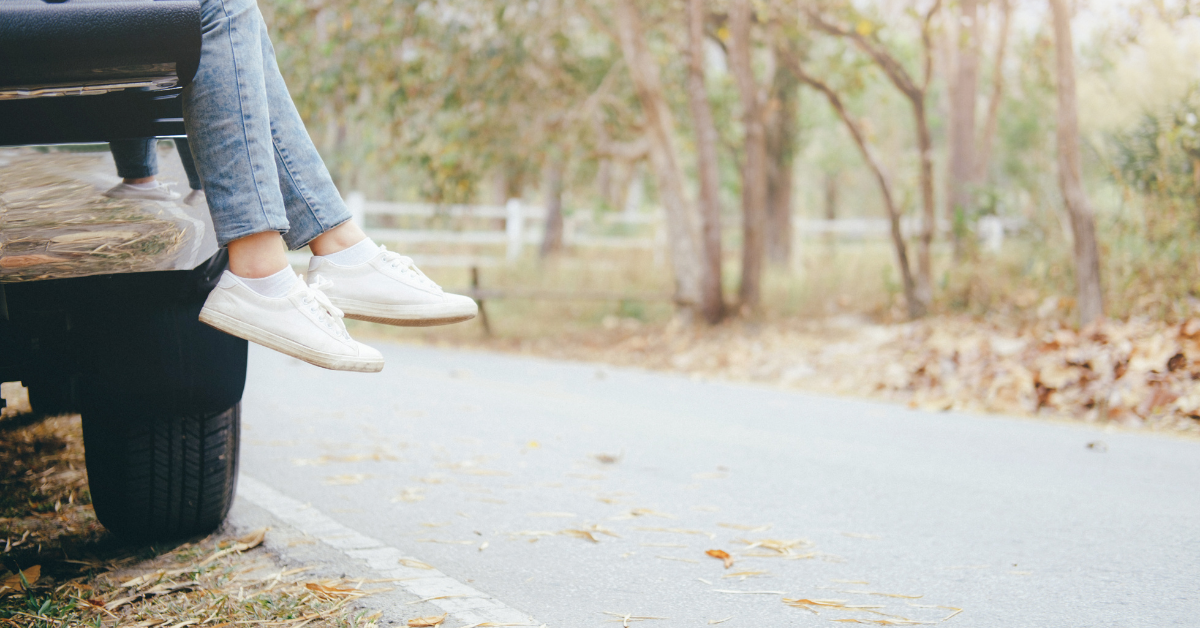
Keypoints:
(514, 227)
(357, 204)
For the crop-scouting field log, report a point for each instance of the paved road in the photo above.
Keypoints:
(1016, 522)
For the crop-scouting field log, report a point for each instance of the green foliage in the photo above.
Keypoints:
(1160, 155)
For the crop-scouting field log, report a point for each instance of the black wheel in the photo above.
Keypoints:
(158, 478)
(160, 397)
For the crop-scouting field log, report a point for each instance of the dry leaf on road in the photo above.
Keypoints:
(346, 479)
(427, 622)
(721, 554)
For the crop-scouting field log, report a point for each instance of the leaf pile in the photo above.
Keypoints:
(1137, 372)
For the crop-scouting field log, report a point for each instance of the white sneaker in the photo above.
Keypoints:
(160, 192)
(304, 324)
(195, 198)
(390, 289)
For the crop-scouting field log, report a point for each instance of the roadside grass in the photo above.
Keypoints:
(59, 567)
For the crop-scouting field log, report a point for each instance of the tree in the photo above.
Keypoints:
(916, 308)
(712, 303)
(754, 161)
(664, 156)
(991, 122)
(1079, 208)
(552, 239)
(864, 36)
(782, 111)
(964, 85)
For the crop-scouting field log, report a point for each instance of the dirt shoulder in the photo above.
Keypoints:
(62, 568)
(1134, 374)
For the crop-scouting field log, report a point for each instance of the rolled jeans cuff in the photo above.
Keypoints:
(136, 158)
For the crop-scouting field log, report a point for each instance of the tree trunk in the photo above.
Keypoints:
(604, 181)
(1070, 178)
(983, 156)
(712, 303)
(781, 152)
(660, 130)
(831, 207)
(552, 239)
(754, 166)
(928, 210)
(916, 308)
(963, 89)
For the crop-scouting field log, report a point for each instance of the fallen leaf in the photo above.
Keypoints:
(427, 622)
(746, 528)
(581, 534)
(414, 563)
(330, 590)
(678, 531)
(11, 584)
(410, 494)
(721, 554)
(251, 540)
(745, 574)
(777, 545)
(346, 479)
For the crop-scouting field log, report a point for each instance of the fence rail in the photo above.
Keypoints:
(516, 225)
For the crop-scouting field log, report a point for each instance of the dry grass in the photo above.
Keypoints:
(77, 574)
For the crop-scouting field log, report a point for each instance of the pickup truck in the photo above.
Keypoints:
(99, 297)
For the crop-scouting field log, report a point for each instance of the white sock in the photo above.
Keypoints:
(360, 253)
(276, 286)
(149, 185)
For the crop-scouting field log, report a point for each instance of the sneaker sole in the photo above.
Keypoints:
(246, 331)
(405, 315)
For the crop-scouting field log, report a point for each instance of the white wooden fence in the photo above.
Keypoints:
(516, 224)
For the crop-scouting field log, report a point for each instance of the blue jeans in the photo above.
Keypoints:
(137, 159)
(260, 169)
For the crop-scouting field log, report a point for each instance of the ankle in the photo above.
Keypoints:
(257, 256)
(337, 239)
(360, 253)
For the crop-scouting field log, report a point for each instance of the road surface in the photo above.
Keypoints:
(579, 495)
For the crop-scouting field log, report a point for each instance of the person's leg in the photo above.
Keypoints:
(229, 131)
(137, 165)
(196, 196)
(364, 280)
(315, 209)
(135, 159)
(189, 165)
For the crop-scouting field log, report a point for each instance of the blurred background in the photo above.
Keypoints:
(600, 169)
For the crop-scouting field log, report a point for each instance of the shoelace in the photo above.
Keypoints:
(319, 304)
(405, 265)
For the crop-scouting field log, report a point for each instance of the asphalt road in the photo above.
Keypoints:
(1016, 522)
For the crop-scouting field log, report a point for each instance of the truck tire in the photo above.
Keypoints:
(161, 478)
(161, 404)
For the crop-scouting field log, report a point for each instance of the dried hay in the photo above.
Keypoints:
(55, 225)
